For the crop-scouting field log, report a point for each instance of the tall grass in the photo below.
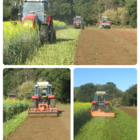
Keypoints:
(58, 25)
(20, 43)
(81, 114)
(11, 108)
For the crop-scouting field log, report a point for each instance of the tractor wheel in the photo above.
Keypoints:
(54, 34)
(52, 103)
(107, 108)
(43, 34)
(34, 103)
(93, 107)
(51, 31)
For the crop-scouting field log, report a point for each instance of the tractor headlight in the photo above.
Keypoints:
(28, 22)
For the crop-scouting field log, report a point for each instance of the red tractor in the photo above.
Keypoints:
(104, 23)
(35, 12)
(101, 105)
(43, 101)
(78, 22)
(11, 96)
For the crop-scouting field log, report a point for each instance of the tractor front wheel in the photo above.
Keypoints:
(43, 34)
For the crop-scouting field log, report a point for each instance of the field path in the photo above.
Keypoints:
(132, 111)
(44, 128)
(106, 47)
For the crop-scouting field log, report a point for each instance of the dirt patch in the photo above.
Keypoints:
(106, 47)
(44, 127)
(132, 111)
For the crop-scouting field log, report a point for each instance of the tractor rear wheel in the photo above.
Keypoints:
(54, 34)
(107, 108)
(34, 103)
(93, 107)
(52, 103)
(43, 34)
(51, 31)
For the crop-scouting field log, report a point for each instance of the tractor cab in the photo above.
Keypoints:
(105, 19)
(43, 90)
(100, 101)
(37, 7)
(100, 96)
(11, 96)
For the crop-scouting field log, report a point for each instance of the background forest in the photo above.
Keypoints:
(121, 12)
(85, 93)
(21, 81)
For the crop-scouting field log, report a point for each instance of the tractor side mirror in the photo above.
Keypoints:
(14, 4)
(49, 4)
(33, 89)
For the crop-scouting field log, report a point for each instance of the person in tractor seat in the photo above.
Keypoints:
(101, 99)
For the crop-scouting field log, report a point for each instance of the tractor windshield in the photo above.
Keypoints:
(101, 97)
(77, 19)
(12, 96)
(105, 19)
(35, 8)
(45, 91)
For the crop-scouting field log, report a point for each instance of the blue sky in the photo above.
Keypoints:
(122, 77)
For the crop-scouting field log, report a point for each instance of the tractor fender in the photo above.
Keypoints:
(51, 96)
(49, 19)
(34, 97)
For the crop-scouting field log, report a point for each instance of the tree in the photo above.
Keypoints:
(129, 97)
(86, 92)
(132, 12)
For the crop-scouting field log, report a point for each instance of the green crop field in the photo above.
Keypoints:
(122, 127)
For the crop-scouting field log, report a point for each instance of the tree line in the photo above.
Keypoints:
(21, 82)
(85, 93)
(121, 12)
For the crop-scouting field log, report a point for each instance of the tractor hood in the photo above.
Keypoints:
(30, 20)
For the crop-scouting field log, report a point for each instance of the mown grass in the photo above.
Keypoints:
(58, 52)
(10, 125)
(122, 127)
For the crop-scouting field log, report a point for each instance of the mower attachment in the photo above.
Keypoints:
(98, 113)
(43, 109)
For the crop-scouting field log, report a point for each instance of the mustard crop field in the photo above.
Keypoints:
(13, 107)
(21, 43)
(121, 127)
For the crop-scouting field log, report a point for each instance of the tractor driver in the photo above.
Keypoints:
(101, 99)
